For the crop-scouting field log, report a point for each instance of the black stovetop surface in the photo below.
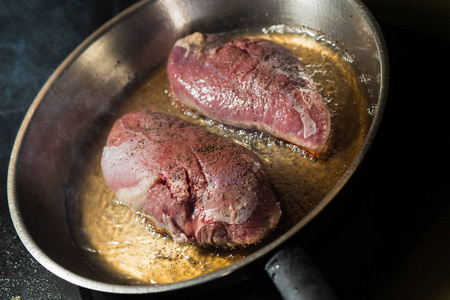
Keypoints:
(385, 236)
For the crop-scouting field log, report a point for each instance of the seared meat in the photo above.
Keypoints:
(250, 83)
(189, 182)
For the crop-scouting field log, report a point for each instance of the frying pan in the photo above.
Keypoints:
(87, 86)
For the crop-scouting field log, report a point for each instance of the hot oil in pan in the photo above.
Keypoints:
(124, 248)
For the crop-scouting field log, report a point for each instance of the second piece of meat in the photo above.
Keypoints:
(251, 83)
(189, 182)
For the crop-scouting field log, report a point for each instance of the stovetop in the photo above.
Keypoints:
(385, 236)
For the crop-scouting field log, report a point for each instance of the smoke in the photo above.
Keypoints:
(35, 37)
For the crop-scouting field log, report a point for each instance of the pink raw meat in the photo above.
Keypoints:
(189, 182)
(250, 83)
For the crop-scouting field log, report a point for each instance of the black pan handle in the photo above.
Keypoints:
(296, 276)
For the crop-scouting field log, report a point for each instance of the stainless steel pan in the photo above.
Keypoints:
(90, 83)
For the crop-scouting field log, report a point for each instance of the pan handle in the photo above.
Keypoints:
(296, 276)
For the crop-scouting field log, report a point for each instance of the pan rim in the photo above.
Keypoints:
(79, 280)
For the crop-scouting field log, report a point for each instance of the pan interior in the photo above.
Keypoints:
(125, 249)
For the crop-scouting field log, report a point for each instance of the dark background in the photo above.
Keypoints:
(385, 236)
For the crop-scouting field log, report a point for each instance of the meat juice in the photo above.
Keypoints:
(121, 246)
